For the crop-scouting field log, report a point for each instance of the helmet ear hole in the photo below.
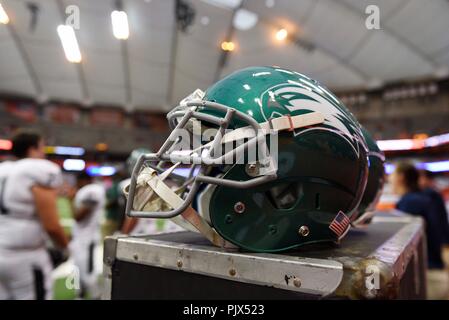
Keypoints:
(317, 201)
(285, 196)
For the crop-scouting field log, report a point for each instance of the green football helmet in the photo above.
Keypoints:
(280, 163)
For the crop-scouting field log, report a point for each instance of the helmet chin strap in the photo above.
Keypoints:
(156, 189)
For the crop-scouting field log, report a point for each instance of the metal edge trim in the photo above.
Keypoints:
(400, 248)
(313, 276)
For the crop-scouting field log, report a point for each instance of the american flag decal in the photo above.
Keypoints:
(340, 224)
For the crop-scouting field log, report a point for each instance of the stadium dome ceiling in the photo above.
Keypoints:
(159, 64)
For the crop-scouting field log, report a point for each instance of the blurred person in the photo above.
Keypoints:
(115, 206)
(28, 216)
(427, 184)
(404, 182)
(88, 209)
(413, 201)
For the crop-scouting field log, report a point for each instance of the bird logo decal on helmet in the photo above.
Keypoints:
(294, 97)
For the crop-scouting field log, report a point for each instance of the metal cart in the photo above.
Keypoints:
(387, 260)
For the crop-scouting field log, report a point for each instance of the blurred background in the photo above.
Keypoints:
(97, 77)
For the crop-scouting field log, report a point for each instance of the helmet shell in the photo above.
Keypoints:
(321, 169)
(376, 176)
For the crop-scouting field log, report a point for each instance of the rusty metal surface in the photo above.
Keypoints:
(384, 261)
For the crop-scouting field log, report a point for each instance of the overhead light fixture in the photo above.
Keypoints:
(69, 43)
(205, 20)
(101, 147)
(4, 19)
(74, 164)
(120, 27)
(66, 151)
(281, 35)
(436, 167)
(226, 4)
(227, 46)
(269, 3)
(244, 19)
(102, 171)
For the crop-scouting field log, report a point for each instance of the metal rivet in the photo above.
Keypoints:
(297, 282)
(232, 272)
(135, 256)
(228, 218)
(304, 231)
(179, 263)
(272, 229)
(239, 207)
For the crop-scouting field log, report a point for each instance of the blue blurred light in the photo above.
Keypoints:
(440, 166)
(69, 151)
(101, 171)
(389, 168)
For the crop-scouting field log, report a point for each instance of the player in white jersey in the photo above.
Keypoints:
(28, 216)
(88, 210)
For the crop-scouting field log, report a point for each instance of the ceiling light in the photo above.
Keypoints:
(281, 35)
(205, 20)
(102, 171)
(120, 26)
(227, 46)
(269, 3)
(69, 43)
(74, 164)
(226, 4)
(4, 19)
(245, 19)
(101, 146)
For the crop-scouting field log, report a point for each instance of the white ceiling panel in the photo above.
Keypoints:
(339, 78)
(198, 50)
(14, 77)
(386, 7)
(146, 80)
(150, 43)
(185, 85)
(321, 27)
(384, 57)
(105, 70)
(429, 30)
(413, 43)
(42, 47)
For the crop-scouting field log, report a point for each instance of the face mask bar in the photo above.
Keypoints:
(210, 157)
